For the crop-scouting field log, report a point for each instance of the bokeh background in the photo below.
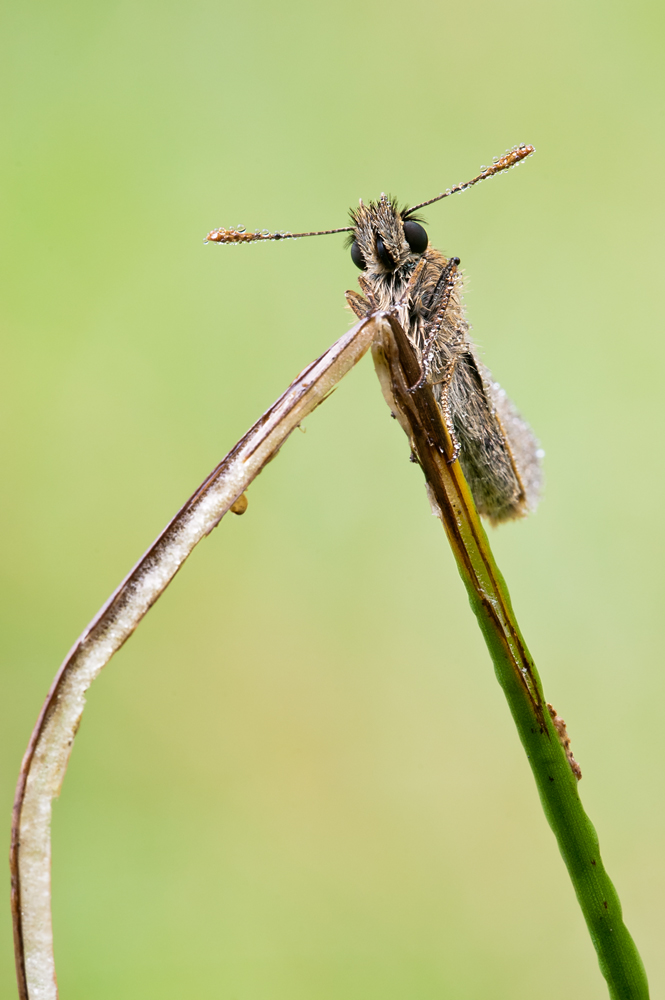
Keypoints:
(299, 780)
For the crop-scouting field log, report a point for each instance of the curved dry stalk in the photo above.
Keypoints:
(46, 758)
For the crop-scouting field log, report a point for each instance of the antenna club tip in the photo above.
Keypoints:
(238, 235)
(509, 159)
(513, 156)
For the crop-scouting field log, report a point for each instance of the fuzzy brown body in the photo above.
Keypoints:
(498, 452)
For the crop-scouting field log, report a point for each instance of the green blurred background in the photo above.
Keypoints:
(299, 780)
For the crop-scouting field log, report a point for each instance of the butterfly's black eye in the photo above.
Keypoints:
(415, 236)
(357, 257)
(383, 255)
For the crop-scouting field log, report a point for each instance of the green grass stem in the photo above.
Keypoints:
(619, 960)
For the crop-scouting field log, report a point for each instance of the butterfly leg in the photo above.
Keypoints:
(444, 403)
(439, 303)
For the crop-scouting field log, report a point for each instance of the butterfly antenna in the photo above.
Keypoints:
(240, 235)
(510, 159)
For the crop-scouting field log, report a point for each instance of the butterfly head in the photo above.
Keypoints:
(384, 238)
